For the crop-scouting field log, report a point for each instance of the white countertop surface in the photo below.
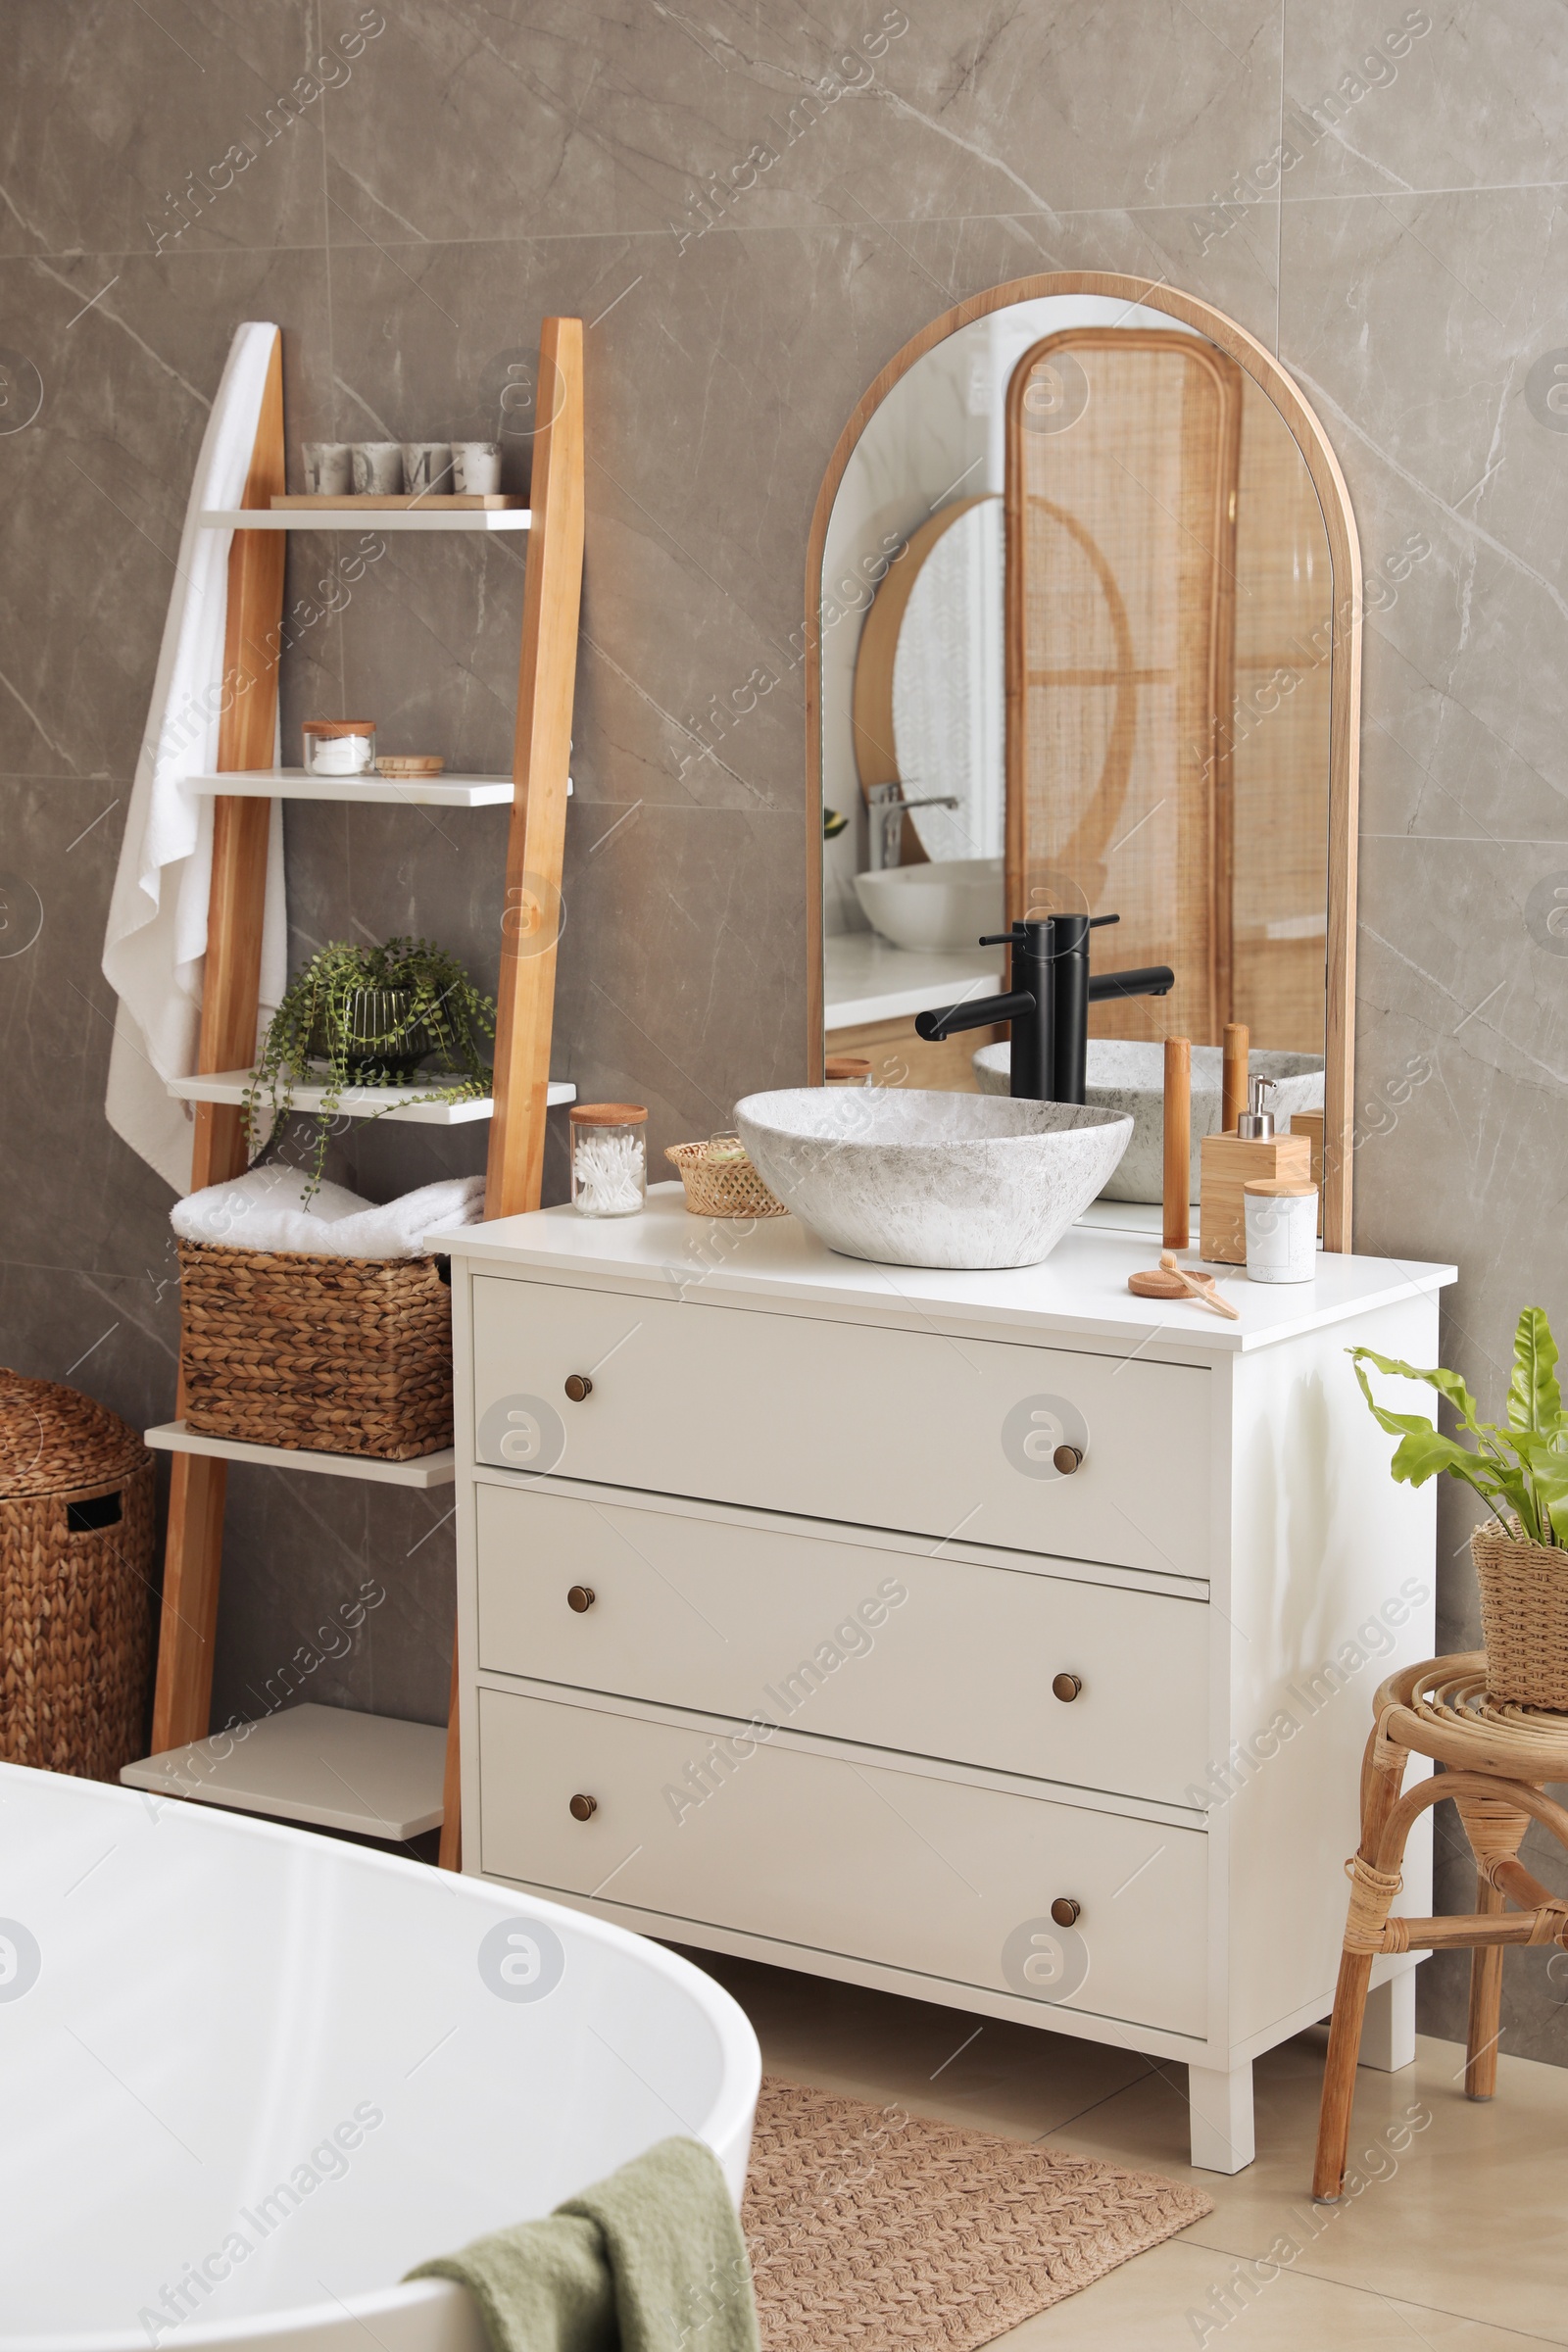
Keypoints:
(1081, 1286)
(865, 978)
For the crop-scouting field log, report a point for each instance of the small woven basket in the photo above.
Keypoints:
(1524, 1619)
(727, 1186)
(323, 1354)
(75, 1582)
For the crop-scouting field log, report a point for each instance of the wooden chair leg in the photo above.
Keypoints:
(1338, 2076)
(1485, 2002)
(1381, 1782)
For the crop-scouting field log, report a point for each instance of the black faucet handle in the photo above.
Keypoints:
(1095, 920)
(1002, 939)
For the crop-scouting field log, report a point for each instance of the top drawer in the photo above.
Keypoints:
(848, 1421)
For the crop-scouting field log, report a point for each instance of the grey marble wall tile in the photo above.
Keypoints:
(596, 119)
(301, 1558)
(93, 491)
(99, 1210)
(1534, 1984)
(1432, 766)
(683, 968)
(1465, 290)
(190, 129)
(1381, 97)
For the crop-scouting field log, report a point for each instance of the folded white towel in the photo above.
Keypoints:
(266, 1209)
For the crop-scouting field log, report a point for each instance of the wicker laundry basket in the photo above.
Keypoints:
(323, 1355)
(75, 1582)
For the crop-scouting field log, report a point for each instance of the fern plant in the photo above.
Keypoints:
(1520, 1471)
(369, 1015)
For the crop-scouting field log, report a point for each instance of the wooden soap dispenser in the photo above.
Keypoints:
(1230, 1161)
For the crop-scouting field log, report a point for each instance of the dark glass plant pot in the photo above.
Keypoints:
(381, 1039)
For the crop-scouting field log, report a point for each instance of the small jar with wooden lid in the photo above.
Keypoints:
(340, 747)
(608, 1158)
(847, 1069)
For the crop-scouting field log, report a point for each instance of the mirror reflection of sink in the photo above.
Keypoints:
(945, 906)
(917, 1179)
(1129, 1075)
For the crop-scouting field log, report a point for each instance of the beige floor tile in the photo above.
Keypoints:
(1470, 2215)
(1177, 2298)
(1458, 2236)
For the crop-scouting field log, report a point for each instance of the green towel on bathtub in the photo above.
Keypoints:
(650, 2259)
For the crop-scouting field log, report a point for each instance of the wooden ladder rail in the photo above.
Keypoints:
(526, 992)
(535, 844)
(247, 734)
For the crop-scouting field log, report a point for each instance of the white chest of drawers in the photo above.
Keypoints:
(858, 1682)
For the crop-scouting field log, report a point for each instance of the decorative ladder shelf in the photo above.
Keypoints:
(425, 1469)
(353, 517)
(329, 1766)
(408, 792)
(402, 1104)
(321, 1765)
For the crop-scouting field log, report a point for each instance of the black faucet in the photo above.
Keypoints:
(1048, 1003)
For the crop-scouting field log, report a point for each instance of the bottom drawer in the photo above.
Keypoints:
(838, 1854)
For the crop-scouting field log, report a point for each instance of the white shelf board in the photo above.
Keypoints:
(363, 519)
(426, 1470)
(324, 1766)
(414, 792)
(396, 1102)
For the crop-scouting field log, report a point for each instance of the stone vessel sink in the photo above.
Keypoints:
(912, 1179)
(1126, 1074)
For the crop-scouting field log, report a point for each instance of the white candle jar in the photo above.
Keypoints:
(340, 747)
(1281, 1229)
(608, 1158)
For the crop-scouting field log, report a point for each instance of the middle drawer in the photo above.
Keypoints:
(884, 1646)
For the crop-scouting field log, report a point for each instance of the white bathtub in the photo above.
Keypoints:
(291, 2068)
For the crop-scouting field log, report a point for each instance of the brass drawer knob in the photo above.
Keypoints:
(578, 1386)
(1065, 1686)
(580, 1598)
(1064, 1911)
(1066, 1458)
(583, 1808)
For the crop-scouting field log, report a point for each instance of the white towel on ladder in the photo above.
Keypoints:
(157, 935)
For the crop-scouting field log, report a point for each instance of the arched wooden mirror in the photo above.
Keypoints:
(1083, 612)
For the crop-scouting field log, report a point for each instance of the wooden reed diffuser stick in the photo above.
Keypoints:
(1178, 1140)
(1233, 1099)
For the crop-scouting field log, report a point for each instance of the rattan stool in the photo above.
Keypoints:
(1494, 1758)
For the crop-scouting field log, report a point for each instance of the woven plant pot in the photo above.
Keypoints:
(721, 1188)
(1524, 1619)
(323, 1354)
(75, 1582)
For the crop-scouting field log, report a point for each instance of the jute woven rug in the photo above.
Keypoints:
(870, 2228)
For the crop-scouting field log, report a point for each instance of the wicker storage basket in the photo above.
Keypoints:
(1524, 1619)
(325, 1355)
(723, 1188)
(75, 1582)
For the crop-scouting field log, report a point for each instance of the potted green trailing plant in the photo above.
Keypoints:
(1520, 1471)
(369, 1016)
